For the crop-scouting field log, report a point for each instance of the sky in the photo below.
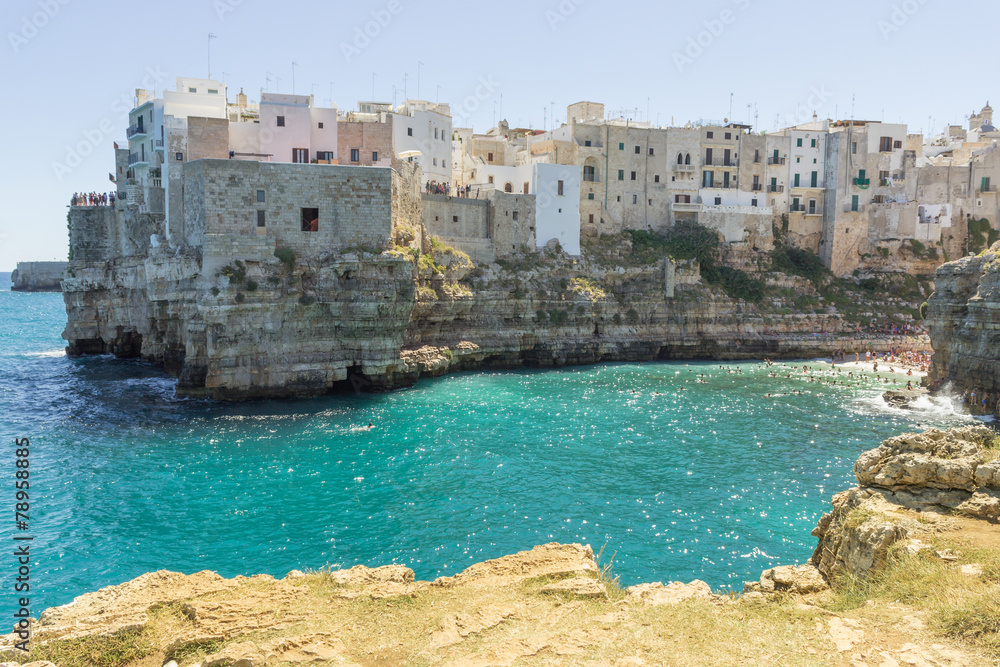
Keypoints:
(70, 69)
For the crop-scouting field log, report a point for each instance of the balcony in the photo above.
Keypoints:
(775, 160)
(986, 188)
(796, 209)
(814, 211)
(756, 187)
(721, 162)
(684, 207)
(135, 159)
(135, 131)
(158, 145)
(862, 182)
(685, 167)
(721, 186)
(848, 208)
(776, 188)
(885, 182)
(807, 186)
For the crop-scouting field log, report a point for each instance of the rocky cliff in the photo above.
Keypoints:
(38, 276)
(963, 320)
(555, 605)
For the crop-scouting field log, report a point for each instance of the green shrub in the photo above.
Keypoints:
(685, 240)
(541, 316)
(307, 300)
(798, 262)
(286, 256)
(918, 247)
(923, 310)
(737, 284)
(273, 280)
(215, 291)
(981, 235)
(240, 297)
(251, 285)
(632, 316)
(236, 272)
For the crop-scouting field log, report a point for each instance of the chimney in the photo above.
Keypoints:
(141, 96)
(241, 100)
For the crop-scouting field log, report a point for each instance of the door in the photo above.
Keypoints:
(300, 155)
(854, 202)
(814, 179)
(727, 157)
(708, 156)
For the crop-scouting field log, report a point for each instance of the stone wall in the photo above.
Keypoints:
(208, 138)
(38, 276)
(456, 217)
(354, 203)
(512, 222)
(366, 138)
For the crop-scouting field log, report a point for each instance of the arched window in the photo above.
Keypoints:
(680, 158)
(687, 159)
(508, 187)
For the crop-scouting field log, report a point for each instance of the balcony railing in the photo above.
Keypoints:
(721, 186)
(685, 207)
(684, 167)
(885, 182)
(135, 131)
(987, 188)
(776, 188)
(158, 144)
(756, 187)
(720, 162)
(775, 160)
(135, 158)
(850, 208)
(862, 182)
(797, 209)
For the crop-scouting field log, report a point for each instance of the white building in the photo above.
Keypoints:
(421, 133)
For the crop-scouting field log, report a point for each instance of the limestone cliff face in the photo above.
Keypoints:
(963, 320)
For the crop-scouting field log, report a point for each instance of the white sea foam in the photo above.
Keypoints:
(48, 353)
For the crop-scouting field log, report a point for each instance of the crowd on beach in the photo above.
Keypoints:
(92, 199)
(887, 328)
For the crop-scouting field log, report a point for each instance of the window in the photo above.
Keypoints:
(798, 160)
(192, 90)
(753, 202)
(281, 121)
(796, 181)
(885, 145)
(812, 206)
(756, 157)
(798, 143)
(710, 135)
(591, 218)
(374, 156)
(435, 133)
(650, 202)
(590, 195)
(324, 155)
(260, 218)
(443, 163)
(525, 188)
(729, 135)
(490, 179)
(489, 157)
(409, 131)
(355, 155)
(260, 196)
(179, 156)
(435, 162)
(650, 150)
(508, 187)
(587, 142)
(621, 174)
(321, 125)
(213, 91)
(589, 174)
(310, 219)
(687, 158)
(514, 216)
(656, 178)
(300, 155)
(638, 149)
(621, 146)
(854, 148)
(559, 188)
(454, 218)
(897, 144)
(680, 158)
(633, 175)
(813, 179)
(635, 199)
(813, 144)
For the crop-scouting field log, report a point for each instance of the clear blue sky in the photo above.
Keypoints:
(70, 68)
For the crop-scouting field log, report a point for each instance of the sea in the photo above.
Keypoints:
(673, 471)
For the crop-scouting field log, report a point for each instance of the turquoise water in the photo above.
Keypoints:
(683, 477)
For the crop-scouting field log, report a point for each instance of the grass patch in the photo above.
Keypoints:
(115, 651)
(976, 621)
(286, 256)
(612, 582)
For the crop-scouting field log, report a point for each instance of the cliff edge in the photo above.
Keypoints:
(912, 553)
